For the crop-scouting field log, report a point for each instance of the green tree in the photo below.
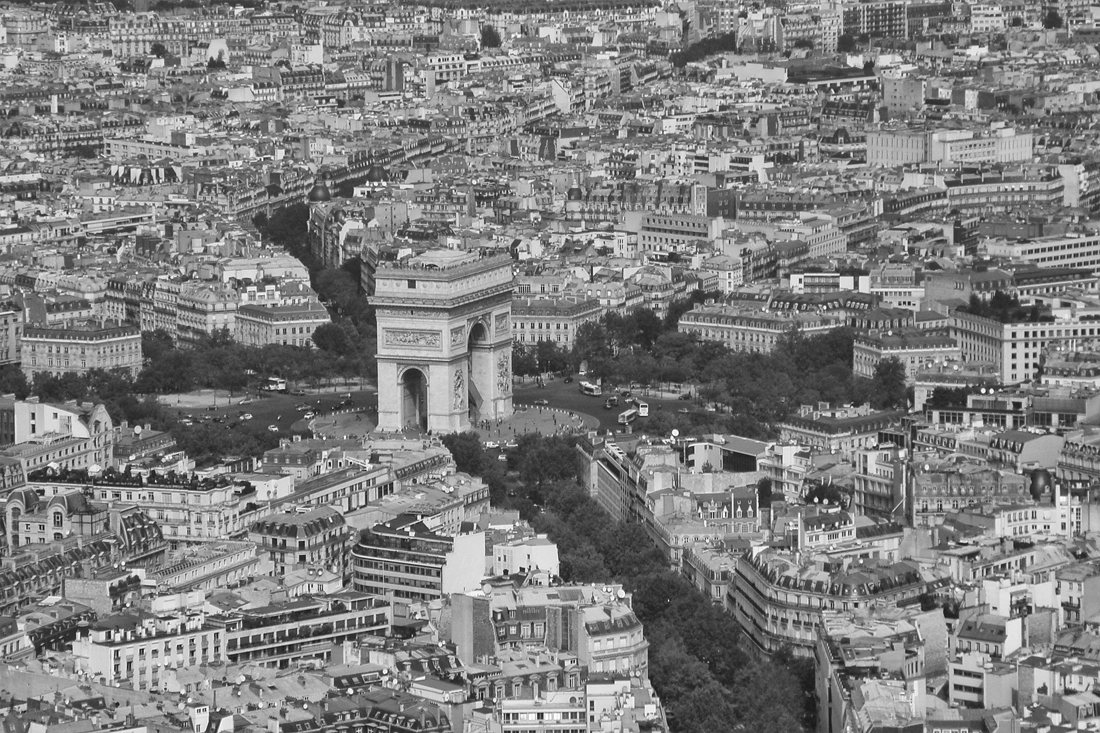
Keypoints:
(490, 37)
(888, 385)
(524, 362)
(1052, 20)
(846, 44)
(467, 450)
(158, 50)
(764, 491)
(333, 339)
(216, 63)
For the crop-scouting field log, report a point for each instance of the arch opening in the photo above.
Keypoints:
(414, 400)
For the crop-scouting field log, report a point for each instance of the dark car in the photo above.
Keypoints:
(569, 380)
(685, 396)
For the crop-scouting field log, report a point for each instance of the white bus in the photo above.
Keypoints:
(275, 384)
(643, 409)
(591, 389)
(628, 416)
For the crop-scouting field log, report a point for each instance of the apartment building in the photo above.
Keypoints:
(134, 649)
(79, 347)
(891, 146)
(840, 430)
(880, 481)
(187, 511)
(939, 488)
(743, 328)
(779, 601)
(593, 623)
(1016, 348)
(916, 351)
(314, 538)
(406, 562)
(289, 325)
(306, 628)
(556, 320)
(70, 435)
(1074, 250)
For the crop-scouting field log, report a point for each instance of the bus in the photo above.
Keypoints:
(628, 416)
(591, 389)
(275, 384)
(643, 409)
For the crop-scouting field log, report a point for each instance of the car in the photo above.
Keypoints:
(298, 392)
(542, 403)
(511, 444)
(246, 416)
(569, 380)
(299, 408)
(211, 408)
(309, 415)
(217, 418)
(624, 393)
(502, 458)
(246, 401)
(273, 428)
(683, 411)
(684, 396)
(491, 444)
(186, 421)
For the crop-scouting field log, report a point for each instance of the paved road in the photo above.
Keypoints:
(569, 397)
(280, 409)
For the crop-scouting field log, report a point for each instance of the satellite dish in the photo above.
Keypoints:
(675, 433)
(621, 593)
(983, 390)
(486, 589)
(137, 430)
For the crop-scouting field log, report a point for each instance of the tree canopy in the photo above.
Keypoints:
(490, 37)
(697, 665)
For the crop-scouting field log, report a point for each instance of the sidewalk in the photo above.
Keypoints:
(544, 420)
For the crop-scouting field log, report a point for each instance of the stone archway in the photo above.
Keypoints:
(479, 370)
(414, 399)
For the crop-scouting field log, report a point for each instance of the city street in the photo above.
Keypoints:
(567, 396)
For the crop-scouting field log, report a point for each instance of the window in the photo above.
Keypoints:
(58, 519)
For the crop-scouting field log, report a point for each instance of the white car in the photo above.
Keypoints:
(273, 428)
(246, 416)
(308, 415)
(492, 444)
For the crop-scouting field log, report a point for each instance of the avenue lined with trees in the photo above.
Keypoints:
(698, 666)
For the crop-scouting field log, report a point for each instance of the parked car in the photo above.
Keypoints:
(309, 415)
(246, 416)
(273, 428)
(298, 392)
(569, 380)
(541, 402)
(684, 396)
(491, 444)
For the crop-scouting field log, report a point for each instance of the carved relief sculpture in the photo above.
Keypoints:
(504, 375)
(460, 390)
(502, 324)
(412, 338)
(458, 335)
